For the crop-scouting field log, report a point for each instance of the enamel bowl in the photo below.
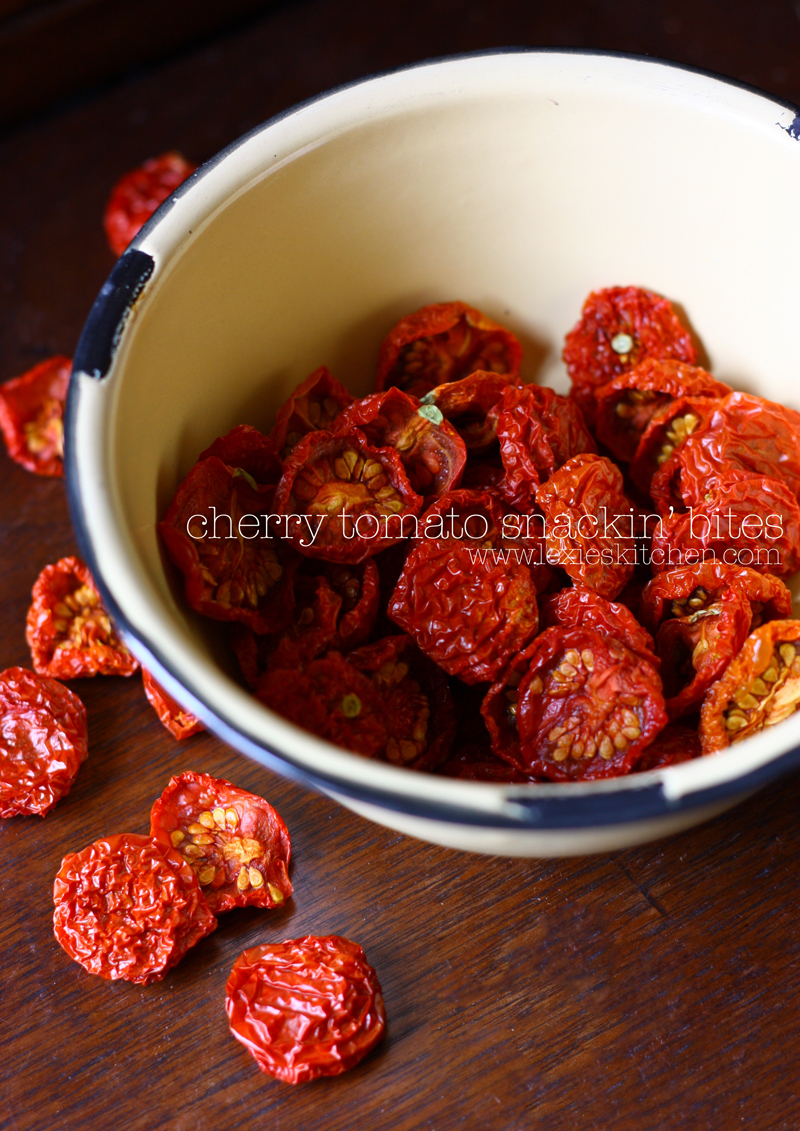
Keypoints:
(515, 181)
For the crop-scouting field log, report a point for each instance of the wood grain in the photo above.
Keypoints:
(651, 990)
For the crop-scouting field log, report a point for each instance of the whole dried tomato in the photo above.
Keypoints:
(760, 687)
(249, 450)
(619, 328)
(43, 741)
(669, 429)
(590, 524)
(234, 841)
(181, 724)
(539, 431)
(305, 1008)
(343, 500)
(137, 195)
(234, 567)
(127, 907)
(444, 342)
(582, 607)
(675, 744)
(31, 416)
(626, 405)
(467, 404)
(314, 406)
(588, 707)
(68, 630)
(432, 452)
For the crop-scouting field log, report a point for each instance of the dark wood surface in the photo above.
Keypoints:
(657, 988)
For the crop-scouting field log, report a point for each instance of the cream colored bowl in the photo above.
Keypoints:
(516, 182)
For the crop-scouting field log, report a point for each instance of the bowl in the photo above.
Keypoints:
(515, 181)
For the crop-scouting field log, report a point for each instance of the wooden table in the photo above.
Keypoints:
(654, 989)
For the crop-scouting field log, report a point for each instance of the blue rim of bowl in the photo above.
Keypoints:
(529, 808)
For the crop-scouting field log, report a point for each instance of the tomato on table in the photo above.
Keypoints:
(137, 195)
(32, 415)
(43, 741)
(68, 630)
(305, 1008)
(235, 842)
(127, 907)
(181, 724)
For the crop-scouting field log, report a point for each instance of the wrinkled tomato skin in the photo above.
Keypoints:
(582, 607)
(31, 416)
(442, 343)
(662, 440)
(648, 319)
(247, 448)
(68, 630)
(305, 1008)
(433, 454)
(331, 495)
(137, 195)
(180, 724)
(468, 404)
(768, 596)
(43, 742)
(761, 673)
(674, 745)
(127, 907)
(627, 405)
(242, 838)
(588, 706)
(314, 406)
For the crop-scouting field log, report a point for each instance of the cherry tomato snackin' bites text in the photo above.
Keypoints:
(137, 195)
(181, 724)
(31, 416)
(305, 1008)
(234, 841)
(127, 907)
(43, 741)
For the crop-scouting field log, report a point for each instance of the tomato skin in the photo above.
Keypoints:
(228, 837)
(579, 606)
(247, 448)
(127, 907)
(646, 318)
(31, 416)
(314, 406)
(767, 595)
(68, 630)
(444, 342)
(137, 195)
(667, 431)
(759, 688)
(305, 1008)
(468, 402)
(43, 741)
(180, 724)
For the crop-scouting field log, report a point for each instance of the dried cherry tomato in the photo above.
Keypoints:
(246, 448)
(582, 607)
(432, 452)
(137, 195)
(590, 524)
(539, 431)
(441, 343)
(314, 406)
(691, 589)
(305, 1008)
(760, 687)
(127, 907)
(212, 533)
(588, 706)
(478, 763)
(181, 724)
(234, 841)
(669, 429)
(675, 744)
(467, 404)
(500, 706)
(358, 586)
(330, 484)
(626, 405)
(31, 416)
(68, 630)
(619, 328)
(43, 741)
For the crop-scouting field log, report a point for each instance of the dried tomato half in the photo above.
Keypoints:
(477, 763)
(137, 195)
(691, 589)
(314, 406)
(675, 744)
(181, 724)
(590, 524)
(444, 342)
(249, 450)
(431, 451)
(500, 706)
(539, 431)
(669, 429)
(43, 741)
(760, 687)
(468, 403)
(68, 630)
(233, 569)
(128, 907)
(305, 1008)
(31, 416)
(619, 328)
(588, 707)
(582, 607)
(342, 499)
(234, 841)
